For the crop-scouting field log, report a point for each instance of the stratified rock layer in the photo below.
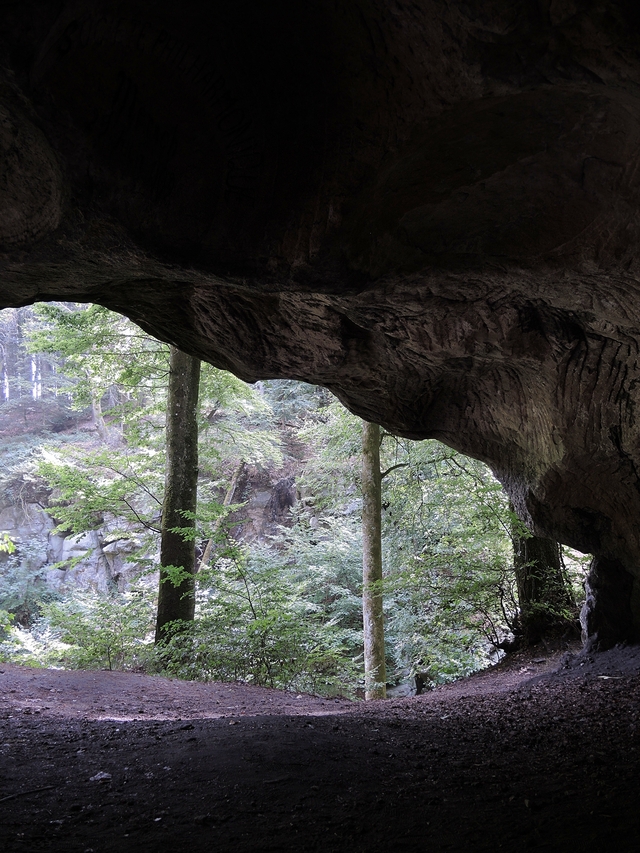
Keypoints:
(428, 207)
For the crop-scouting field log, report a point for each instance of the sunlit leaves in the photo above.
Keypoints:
(101, 350)
(7, 545)
(112, 632)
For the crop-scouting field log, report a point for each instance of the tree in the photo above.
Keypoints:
(545, 599)
(103, 356)
(449, 585)
(108, 358)
(176, 596)
(372, 616)
(266, 619)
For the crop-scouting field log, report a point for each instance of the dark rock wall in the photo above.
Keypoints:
(429, 207)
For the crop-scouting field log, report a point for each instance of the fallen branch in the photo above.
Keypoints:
(25, 793)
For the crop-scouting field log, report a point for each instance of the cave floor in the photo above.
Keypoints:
(538, 753)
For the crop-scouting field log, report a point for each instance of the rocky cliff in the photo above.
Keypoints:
(100, 561)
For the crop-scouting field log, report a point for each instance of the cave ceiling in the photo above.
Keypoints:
(431, 208)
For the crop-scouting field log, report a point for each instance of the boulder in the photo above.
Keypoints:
(28, 525)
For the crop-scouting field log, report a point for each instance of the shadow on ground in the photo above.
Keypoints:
(539, 753)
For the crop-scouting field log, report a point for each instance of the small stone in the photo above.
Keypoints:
(101, 776)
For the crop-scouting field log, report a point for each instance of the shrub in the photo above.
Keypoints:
(97, 632)
(255, 624)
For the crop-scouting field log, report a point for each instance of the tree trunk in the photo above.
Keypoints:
(176, 598)
(544, 596)
(374, 658)
(98, 417)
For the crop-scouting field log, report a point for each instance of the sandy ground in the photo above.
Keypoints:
(538, 753)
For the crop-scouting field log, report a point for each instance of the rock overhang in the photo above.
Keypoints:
(430, 209)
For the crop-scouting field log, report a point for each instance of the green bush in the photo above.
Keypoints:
(6, 621)
(254, 623)
(98, 632)
(23, 589)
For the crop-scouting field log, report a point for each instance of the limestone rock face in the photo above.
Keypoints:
(29, 527)
(267, 501)
(429, 207)
(88, 561)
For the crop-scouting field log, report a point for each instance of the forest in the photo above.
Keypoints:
(160, 515)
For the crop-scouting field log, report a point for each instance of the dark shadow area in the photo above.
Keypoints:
(506, 759)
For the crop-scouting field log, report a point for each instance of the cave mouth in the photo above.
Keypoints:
(430, 211)
(83, 409)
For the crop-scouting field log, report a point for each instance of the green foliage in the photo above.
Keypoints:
(447, 525)
(123, 483)
(287, 614)
(449, 587)
(175, 575)
(256, 622)
(7, 545)
(6, 621)
(101, 632)
(295, 403)
(236, 422)
(576, 568)
(334, 435)
(23, 589)
(448, 614)
(325, 562)
(100, 349)
(117, 490)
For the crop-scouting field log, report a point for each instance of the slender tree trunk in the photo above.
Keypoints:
(177, 600)
(374, 659)
(98, 418)
(228, 500)
(544, 596)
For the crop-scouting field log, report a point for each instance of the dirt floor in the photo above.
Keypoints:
(538, 753)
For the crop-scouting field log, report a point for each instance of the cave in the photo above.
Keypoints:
(430, 208)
